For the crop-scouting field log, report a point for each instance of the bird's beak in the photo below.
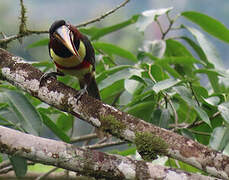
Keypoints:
(64, 35)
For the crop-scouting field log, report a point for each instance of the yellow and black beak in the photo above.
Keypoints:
(66, 37)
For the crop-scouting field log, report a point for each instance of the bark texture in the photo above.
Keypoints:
(87, 162)
(109, 119)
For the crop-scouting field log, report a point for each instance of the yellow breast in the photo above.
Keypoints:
(70, 61)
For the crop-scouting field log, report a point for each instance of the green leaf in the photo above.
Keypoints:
(158, 73)
(219, 138)
(123, 74)
(42, 42)
(65, 122)
(213, 101)
(161, 117)
(19, 165)
(186, 95)
(150, 94)
(127, 152)
(211, 54)
(175, 49)
(41, 168)
(111, 71)
(142, 110)
(171, 70)
(196, 48)
(178, 60)
(155, 48)
(207, 47)
(97, 33)
(149, 16)
(213, 72)
(53, 127)
(113, 49)
(165, 84)
(200, 91)
(130, 84)
(21, 112)
(208, 24)
(138, 78)
(110, 92)
(224, 111)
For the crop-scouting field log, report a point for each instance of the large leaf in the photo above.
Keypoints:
(207, 47)
(111, 71)
(65, 122)
(158, 73)
(21, 112)
(19, 165)
(111, 92)
(175, 49)
(224, 110)
(161, 117)
(147, 17)
(219, 138)
(155, 48)
(211, 54)
(165, 84)
(142, 110)
(182, 60)
(97, 33)
(196, 48)
(209, 24)
(113, 49)
(123, 74)
(186, 95)
(53, 127)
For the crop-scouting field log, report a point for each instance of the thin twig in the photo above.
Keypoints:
(102, 145)
(5, 164)
(104, 15)
(199, 132)
(46, 174)
(171, 22)
(167, 98)
(23, 18)
(23, 31)
(83, 138)
(194, 94)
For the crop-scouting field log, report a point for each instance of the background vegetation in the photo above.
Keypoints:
(175, 79)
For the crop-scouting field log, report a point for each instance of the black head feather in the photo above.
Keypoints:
(56, 25)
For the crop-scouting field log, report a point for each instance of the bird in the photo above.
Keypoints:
(72, 54)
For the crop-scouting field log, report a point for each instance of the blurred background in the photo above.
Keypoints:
(43, 12)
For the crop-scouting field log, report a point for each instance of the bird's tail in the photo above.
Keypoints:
(92, 87)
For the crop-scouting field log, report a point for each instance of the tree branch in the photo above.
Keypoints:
(111, 120)
(86, 162)
(104, 15)
(23, 31)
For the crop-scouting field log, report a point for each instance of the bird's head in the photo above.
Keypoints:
(67, 35)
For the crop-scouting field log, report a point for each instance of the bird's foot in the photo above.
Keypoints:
(45, 76)
(80, 93)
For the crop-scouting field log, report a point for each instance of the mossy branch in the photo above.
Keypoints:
(58, 95)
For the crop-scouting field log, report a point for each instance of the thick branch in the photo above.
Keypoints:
(108, 118)
(86, 162)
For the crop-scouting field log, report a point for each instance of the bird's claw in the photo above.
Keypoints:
(80, 93)
(45, 76)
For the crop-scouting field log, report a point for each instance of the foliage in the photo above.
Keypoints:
(178, 83)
